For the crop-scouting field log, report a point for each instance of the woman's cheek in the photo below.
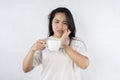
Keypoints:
(65, 27)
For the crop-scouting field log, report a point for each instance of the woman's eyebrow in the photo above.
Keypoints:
(56, 20)
(65, 21)
(59, 20)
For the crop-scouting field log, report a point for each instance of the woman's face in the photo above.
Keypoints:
(59, 24)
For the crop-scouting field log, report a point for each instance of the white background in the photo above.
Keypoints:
(22, 22)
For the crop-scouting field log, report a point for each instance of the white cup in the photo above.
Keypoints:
(53, 45)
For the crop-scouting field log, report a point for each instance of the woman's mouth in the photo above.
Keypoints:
(60, 31)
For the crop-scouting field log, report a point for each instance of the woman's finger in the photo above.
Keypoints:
(69, 31)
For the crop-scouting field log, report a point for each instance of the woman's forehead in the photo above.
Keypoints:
(60, 16)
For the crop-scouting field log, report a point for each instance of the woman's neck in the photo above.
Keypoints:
(55, 36)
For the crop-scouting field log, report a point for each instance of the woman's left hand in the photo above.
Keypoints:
(65, 36)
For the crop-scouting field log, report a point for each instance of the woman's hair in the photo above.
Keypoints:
(69, 18)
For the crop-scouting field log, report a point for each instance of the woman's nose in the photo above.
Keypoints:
(60, 26)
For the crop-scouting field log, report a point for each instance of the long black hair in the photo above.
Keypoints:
(69, 18)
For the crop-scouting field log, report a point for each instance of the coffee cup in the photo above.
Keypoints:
(53, 45)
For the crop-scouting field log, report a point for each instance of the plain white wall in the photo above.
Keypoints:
(22, 22)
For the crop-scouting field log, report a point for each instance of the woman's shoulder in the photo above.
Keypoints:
(43, 39)
(77, 39)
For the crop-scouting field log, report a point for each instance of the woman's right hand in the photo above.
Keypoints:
(39, 45)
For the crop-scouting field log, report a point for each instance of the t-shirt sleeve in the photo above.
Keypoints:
(79, 46)
(37, 58)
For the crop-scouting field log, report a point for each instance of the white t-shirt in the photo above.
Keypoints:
(56, 65)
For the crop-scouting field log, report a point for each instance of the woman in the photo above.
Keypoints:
(65, 63)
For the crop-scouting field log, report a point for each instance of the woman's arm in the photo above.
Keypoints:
(28, 60)
(79, 59)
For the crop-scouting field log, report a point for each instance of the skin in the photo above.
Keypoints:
(61, 31)
(59, 25)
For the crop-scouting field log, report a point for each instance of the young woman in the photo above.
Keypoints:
(65, 63)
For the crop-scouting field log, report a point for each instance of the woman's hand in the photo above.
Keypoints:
(65, 36)
(39, 45)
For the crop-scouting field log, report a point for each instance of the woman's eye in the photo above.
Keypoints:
(56, 22)
(65, 23)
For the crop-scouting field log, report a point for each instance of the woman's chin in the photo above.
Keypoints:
(58, 35)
